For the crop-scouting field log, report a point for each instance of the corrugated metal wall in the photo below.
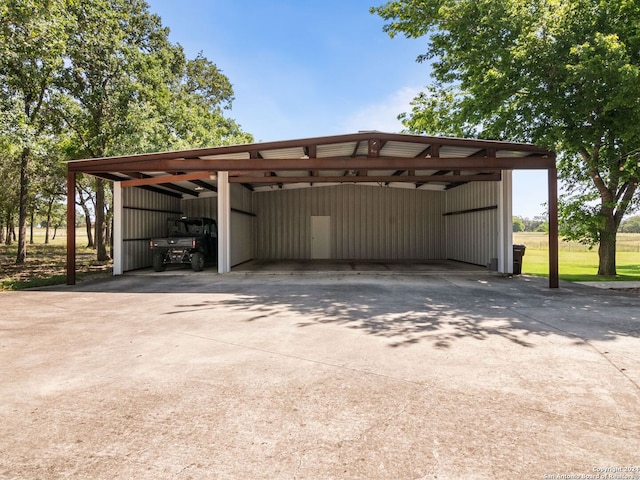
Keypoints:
(243, 225)
(200, 207)
(145, 213)
(367, 222)
(242, 221)
(144, 216)
(472, 237)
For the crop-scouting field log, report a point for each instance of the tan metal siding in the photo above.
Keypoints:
(242, 224)
(200, 207)
(145, 214)
(472, 237)
(143, 217)
(366, 222)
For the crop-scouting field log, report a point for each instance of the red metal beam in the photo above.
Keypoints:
(382, 179)
(554, 276)
(165, 179)
(328, 140)
(333, 163)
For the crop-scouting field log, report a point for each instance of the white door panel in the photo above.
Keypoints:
(320, 237)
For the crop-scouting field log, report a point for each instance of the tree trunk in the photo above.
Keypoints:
(607, 246)
(24, 203)
(87, 219)
(11, 232)
(7, 239)
(46, 234)
(101, 224)
(31, 222)
(89, 225)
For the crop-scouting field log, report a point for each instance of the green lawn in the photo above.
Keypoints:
(576, 261)
(46, 263)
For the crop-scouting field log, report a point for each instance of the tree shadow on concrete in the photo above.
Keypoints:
(440, 311)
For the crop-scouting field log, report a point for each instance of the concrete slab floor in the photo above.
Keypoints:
(356, 266)
(310, 377)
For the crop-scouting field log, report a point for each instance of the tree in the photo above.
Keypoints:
(87, 202)
(49, 183)
(562, 74)
(631, 225)
(32, 41)
(9, 196)
(128, 89)
(534, 224)
(112, 46)
(9, 176)
(103, 78)
(194, 117)
(518, 224)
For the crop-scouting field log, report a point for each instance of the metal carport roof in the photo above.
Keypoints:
(394, 160)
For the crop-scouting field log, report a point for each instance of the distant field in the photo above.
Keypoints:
(576, 261)
(46, 264)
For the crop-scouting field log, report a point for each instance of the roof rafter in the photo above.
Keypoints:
(492, 177)
(330, 163)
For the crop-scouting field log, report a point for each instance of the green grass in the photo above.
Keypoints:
(576, 262)
(46, 263)
(34, 282)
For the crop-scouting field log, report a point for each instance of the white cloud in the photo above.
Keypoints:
(382, 115)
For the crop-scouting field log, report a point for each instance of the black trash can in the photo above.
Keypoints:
(518, 253)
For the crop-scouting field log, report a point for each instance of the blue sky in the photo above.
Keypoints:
(312, 68)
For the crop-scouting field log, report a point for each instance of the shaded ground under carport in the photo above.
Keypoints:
(357, 266)
(468, 375)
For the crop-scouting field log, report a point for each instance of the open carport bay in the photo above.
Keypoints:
(466, 375)
(363, 196)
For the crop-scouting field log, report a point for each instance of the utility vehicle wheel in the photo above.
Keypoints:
(158, 262)
(197, 262)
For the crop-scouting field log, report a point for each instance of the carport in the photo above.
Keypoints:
(363, 196)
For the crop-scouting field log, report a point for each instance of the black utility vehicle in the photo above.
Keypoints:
(190, 240)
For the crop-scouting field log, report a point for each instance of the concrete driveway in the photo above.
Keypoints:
(458, 376)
